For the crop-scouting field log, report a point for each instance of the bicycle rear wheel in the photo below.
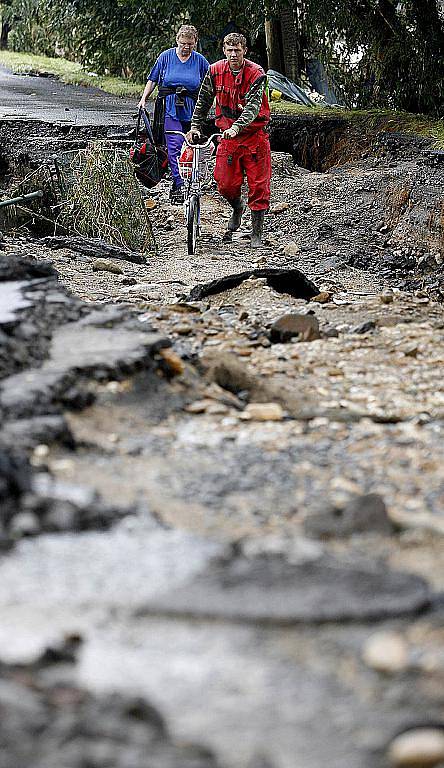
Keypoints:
(193, 220)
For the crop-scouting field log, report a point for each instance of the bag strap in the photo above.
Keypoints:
(144, 117)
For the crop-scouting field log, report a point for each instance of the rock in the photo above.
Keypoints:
(304, 327)
(183, 329)
(269, 589)
(263, 412)
(386, 652)
(173, 362)
(362, 514)
(292, 249)
(330, 332)
(323, 298)
(386, 297)
(199, 406)
(279, 208)
(104, 265)
(217, 409)
(128, 281)
(25, 524)
(418, 748)
(368, 325)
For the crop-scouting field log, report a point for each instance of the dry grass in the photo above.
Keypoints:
(102, 199)
(91, 193)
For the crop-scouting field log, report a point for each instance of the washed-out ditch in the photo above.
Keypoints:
(221, 475)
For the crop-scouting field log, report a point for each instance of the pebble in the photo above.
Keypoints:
(323, 298)
(41, 451)
(418, 748)
(292, 249)
(199, 406)
(25, 524)
(217, 409)
(279, 208)
(386, 297)
(386, 652)
(174, 362)
(183, 330)
(263, 412)
(104, 265)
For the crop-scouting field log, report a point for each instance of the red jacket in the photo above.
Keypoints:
(231, 92)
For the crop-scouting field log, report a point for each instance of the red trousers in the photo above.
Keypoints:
(245, 155)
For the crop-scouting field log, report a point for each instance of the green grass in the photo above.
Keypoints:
(68, 72)
(373, 120)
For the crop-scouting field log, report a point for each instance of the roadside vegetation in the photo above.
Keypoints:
(375, 53)
(68, 72)
(371, 120)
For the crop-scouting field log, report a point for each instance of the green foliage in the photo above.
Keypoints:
(386, 53)
(382, 52)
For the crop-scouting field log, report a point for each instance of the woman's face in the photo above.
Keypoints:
(185, 44)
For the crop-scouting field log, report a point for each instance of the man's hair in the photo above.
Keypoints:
(187, 30)
(235, 38)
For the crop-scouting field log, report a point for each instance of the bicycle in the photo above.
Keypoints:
(194, 173)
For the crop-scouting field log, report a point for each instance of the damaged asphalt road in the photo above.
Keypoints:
(223, 475)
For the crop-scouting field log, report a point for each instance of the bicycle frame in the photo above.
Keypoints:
(193, 185)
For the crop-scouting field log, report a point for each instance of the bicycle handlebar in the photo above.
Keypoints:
(188, 143)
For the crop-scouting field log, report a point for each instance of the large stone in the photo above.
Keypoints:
(263, 412)
(300, 327)
(104, 265)
(418, 748)
(386, 652)
(362, 514)
(271, 590)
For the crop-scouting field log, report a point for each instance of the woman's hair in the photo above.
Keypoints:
(235, 38)
(187, 30)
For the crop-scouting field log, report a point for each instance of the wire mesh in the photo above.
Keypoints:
(186, 166)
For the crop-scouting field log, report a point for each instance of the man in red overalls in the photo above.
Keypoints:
(242, 113)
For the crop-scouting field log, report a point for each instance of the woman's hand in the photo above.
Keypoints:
(193, 136)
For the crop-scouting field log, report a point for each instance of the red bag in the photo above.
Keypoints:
(151, 162)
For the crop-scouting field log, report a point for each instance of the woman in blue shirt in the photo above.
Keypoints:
(178, 73)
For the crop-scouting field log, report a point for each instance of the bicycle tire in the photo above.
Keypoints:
(193, 220)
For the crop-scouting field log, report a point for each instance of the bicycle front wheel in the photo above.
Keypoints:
(193, 221)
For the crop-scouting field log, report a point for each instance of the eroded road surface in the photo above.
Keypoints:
(222, 529)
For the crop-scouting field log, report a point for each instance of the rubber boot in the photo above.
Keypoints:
(257, 225)
(234, 221)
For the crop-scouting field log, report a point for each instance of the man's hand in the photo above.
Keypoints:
(193, 136)
(141, 104)
(230, 133)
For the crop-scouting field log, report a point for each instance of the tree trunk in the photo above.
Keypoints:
(273, 43)
(4, 35)
(291, 43)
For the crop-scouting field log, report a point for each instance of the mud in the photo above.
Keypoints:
(228, 568)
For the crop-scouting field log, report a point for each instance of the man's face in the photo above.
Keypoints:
(185, 44)
(235, 55)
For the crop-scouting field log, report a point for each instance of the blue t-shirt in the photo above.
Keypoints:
(170, 72)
